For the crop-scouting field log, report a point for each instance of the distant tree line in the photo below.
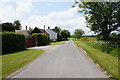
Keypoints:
(62, 34)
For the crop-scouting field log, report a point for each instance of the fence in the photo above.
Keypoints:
(30, 41)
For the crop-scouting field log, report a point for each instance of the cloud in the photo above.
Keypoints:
(53, 18)
(9, 12)
(50, 4)
(65, 19)
(23, 8)
(39, 0)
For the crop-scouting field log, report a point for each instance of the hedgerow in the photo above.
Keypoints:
(42, 39)
(12, 42)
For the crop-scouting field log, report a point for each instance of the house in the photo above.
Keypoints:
(38, 30)
(43, 31)
(25, 32)
(52, 34)
(29, 40)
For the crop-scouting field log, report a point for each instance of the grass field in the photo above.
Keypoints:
(14, 61)
(108, 62)
(108, 46)
(57, 43)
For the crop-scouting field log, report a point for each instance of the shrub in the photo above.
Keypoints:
(104, 46)
(42, 39)
(8, 27)
(12, 42)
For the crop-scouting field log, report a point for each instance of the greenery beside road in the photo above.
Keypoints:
(14, 61)
(12, 42)
(108, 62)
(57, 43)
(101, 17)
(111, 47)
(42, 39)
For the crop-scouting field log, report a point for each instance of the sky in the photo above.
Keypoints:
(38, 13)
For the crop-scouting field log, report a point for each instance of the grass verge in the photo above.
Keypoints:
(14, 61)
(106, 61)
(57, 43)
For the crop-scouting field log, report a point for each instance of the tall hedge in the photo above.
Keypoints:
(8, 27)
(42, 39)
(12, 42)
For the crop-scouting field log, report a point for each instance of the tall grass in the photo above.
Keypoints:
(108, 62)
(104, 46)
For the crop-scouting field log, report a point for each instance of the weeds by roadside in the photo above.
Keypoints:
(108, 62)
(109, 47)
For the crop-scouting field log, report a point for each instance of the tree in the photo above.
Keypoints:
(30, 30)
(65, 34)
(17, 25)
(57, 29)
(101, 17)
(35, 30)
(8, 27)
(78, 33)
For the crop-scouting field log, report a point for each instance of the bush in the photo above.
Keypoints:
(8, 27)
(42, 39)
(104, 46)
(12, 42)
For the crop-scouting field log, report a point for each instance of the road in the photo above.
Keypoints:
(66, 61)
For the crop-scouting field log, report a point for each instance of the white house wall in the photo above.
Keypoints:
(53, 35)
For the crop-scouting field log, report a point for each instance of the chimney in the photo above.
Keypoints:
(48, 27)
(44, 28)
(26, 27)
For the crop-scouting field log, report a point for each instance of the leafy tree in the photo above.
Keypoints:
(57, 29)
(17, 25)
(30, 30)
(35, 30)
(101, 17)
(65, 34)
(8, 27)
(78, 33)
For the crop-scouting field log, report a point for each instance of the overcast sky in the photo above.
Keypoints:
(38, 13)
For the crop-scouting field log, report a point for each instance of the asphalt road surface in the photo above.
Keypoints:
(66, 61)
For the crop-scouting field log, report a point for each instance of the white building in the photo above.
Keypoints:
(52, 34)
(25, 32)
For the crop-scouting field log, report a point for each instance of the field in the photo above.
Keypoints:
(108, 60)
(109, 47)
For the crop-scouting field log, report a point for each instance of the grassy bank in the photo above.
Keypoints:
(107, 46)
(108, 62)
(14, 61)
(57, 43)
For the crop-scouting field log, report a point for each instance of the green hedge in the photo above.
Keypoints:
(8, 27)
(12, 42)
(42, 39)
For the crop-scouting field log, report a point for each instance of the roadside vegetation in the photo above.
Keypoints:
(57, 43)
(102, 53)
(103, 19)
(12, 42)
(107, 46)
(14, 61)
